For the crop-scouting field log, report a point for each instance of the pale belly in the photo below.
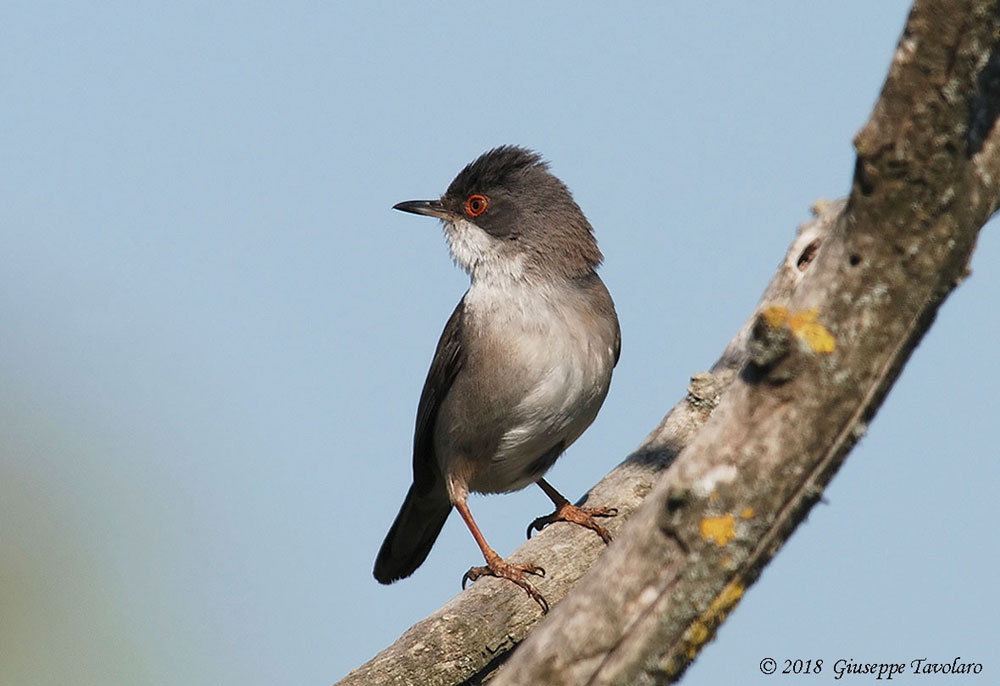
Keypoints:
(534, 376)
(563, 400)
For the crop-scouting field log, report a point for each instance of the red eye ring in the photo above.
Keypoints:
(476, 205)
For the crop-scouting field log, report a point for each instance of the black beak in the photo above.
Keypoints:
(431, 208)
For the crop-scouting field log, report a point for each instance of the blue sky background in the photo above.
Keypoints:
(215, 330)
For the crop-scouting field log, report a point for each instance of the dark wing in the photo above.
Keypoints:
(427, 505)
(448, 359)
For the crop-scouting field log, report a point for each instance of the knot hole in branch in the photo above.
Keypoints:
(807, 255)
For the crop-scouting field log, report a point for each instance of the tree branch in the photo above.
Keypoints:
(820, 362)
(716, 489)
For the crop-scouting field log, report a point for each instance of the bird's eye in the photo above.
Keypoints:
(476, 205)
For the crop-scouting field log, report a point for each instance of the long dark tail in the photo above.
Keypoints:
(412, 534)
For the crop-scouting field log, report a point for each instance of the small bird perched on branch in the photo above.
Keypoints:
(524, 362)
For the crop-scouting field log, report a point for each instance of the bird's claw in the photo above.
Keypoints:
(514, 573)
(584, 516)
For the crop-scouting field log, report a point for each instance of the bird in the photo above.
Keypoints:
(522, 367)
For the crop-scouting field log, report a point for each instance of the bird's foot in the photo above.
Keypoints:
(584, 516)
(496, 566)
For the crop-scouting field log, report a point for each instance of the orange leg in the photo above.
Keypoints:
(568, 512)
(495, 565)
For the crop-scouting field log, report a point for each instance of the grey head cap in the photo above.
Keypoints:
(509, 193)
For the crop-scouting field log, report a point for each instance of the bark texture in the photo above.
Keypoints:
(712, 494)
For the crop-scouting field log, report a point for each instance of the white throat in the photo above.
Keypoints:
(485, 258)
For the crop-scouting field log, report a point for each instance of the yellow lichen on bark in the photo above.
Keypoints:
(719, 529)
(804, 324)
(704, 627)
